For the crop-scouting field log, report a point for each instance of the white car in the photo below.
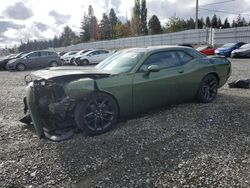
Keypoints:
(66, 57)
(78, 54)
(93, 57)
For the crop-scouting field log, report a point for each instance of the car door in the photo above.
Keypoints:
(33, 60)
(93, 56)
(156, 89)
(44, 59)
(103, 55)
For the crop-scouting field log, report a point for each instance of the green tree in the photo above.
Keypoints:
(219, 23)
(174, 25)
(154, 25)
(144, 27)
(113, 20)
(89, 26)
(122, 30)
(136, 20)
(105, 28)
(214, 23)
(201, 23)
(226, 24)
(234, 24)
(190, 23)
(68, 37)
(208, 22)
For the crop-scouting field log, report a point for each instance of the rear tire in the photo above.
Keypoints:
(20, 67)
(53, 64)
(96, 115)
(208, 89)
(84, 62)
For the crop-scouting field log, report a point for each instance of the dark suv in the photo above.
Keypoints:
(35, 60)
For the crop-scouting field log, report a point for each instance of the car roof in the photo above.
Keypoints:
(157, 48)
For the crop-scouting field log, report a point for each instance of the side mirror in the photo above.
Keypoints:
(153, 68)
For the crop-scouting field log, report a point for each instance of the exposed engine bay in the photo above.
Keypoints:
(53, 104)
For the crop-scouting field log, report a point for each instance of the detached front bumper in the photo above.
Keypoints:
(30, 104)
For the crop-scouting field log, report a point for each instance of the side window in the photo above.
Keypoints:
(44, 54)
(103, 52)
(184, 57)
(162, 59)
(95, 53)
(34, 55)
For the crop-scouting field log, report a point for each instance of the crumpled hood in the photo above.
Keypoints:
(69, 71)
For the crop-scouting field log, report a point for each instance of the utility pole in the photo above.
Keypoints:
(196, 16)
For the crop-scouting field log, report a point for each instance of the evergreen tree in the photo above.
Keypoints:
(144, 28)
(89, 26)
(105, 28)
(208, 22)
(113, 20)
(226, 24)
(234, 24)
(219, 23)
(214, 23)
(136, 20)
(68, 37)
(190, 23)
(201, 23)
(154, 25)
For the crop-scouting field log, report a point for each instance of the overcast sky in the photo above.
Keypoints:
(43, 19)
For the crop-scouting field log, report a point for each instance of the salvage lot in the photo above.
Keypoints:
(187, 144)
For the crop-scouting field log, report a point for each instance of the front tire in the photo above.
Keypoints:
(53, 64)
(20, 67)
(84, 62)
(96, 115)
(208, 89)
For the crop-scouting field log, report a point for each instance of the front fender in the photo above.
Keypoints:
(80, 88)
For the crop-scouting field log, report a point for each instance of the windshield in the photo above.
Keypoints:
(245, 46)
(69, 53)
(228, 45)
(120, 62)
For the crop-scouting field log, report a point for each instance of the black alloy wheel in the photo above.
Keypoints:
(208, 89)
(96, 115)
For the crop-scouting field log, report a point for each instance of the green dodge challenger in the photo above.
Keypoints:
(129, 82)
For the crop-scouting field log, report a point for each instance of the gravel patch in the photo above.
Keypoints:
(186, 145)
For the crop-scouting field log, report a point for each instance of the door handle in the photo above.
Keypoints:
(182, 71)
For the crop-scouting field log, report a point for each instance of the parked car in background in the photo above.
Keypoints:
(207, 50)
(128, 83)
(226, 49)
(243, 51)
(5, 60)
(186, 45)
(93, 57)
(35, 60)
(78, 54)
(67, 56)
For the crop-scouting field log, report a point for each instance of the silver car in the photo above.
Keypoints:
(35, 60)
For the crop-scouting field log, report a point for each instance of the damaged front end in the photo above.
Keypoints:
(51, 104)
(50, 109)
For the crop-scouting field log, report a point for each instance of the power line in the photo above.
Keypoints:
(222, 2)
(224, 11)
